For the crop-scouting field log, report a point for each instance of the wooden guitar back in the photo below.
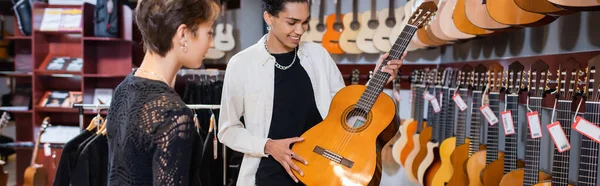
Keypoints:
(578, 5)
(498, 11)
(462, 21)
(443, 175)
(424, 138)
(517, 177)
(541, 7)
(478, 15)
(331, 38)
(459, 159)
(447, 25)
(475, 165)
(407, 140)
(493, 172)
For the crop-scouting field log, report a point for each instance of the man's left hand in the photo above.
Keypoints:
(392, 66)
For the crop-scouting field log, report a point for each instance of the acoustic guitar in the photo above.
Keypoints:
(405, 143)
(494, 170)
(567, 90)
(406, 11)
(430, 162)
(317, 27)
(577, 5)
(336, 148)
(387, 21)
(35, 174)
(395, 32)
(309, 28)
(224, 40)
(517, 16)
(447, 25)
(477, 152)
(435, 28)
(531, 174)
(3, 174)
(417, 41)
(462, 22)
(513, 87)
(588, 162)
(541, 7)
(446, 169)
(335, 27)
(426, 34)
(459, 156)
(479, 16)
(348, 37)
(423, 132)
(366, 33)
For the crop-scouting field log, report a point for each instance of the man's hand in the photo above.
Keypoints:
(280, 150)
(391, 67)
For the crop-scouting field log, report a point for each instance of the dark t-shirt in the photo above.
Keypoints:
(294, 112)
(68, 159)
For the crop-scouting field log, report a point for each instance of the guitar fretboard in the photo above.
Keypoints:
(450, 122)
(510, 147)
(588, 166)
(431, 115)
(560, 168)
(476, 118)
(461, 121)
(419, 110)
(492, 137)
(532, 159)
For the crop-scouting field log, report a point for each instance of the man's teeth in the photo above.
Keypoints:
(295, 37)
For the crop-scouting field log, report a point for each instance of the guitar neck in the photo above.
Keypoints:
(420, 102)
(492, 137)
(476, 119)
(35, 150)
(338, 11)
(354, 10)
(532, 159)
(450, 118)
(322, 12)
(413, 91)
(560, 168)
(588, 166)
(373, 9)
(510, 141)
(392, 9)
(380, 78)
(461, 121)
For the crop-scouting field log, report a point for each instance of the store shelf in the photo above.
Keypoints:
(58, 73)
(15, 74)
(104, 39)
(55, 109)
(105, 75)
(18, 37)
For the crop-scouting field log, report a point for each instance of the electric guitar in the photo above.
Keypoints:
(317, 27)
(494, 170)
(336, 148)
(460, 154)
(224, 40)
(477, 152)
(365, 36)
(387, 20)
(335, 27)
(349, 35)
(35, 174)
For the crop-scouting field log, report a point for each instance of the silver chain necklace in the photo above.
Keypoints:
(277, 64)
(154, 74)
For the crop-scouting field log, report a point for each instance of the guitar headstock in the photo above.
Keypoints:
(45, 124)
(567, 79)
(4, 119)
(495, 77)
(514, 78)
(423, 14)
(592, 80)
(465, 76)
(538, 77)
(414, 76)
(451, 78)
(479, 78)
(439, 78)
(355, 77)
(432, 77)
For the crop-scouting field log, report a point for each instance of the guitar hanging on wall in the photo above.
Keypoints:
(366, 33)
(224, 40)
(335, 148)
(317, 27)
(352, 24)
(335, 27)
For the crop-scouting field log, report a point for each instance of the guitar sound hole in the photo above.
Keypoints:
(338, 27)
(354, 25)
(373, 24)
(356, 119)
(390, 22)
(321, 27)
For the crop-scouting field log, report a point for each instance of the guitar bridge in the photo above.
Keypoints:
(333, 157)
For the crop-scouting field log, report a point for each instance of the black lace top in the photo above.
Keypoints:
(150, 134)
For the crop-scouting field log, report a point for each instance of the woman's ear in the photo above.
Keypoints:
(182, 34)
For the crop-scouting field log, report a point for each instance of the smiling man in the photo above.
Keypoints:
(282, 87)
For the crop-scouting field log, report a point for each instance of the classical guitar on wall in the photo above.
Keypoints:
(335, 27)
(317, 27)
(477, 152)
(366, 33)
(477, 13)
(358, 115)
(223, 39)
(577, 5)
(387, 21)
(35, 174)
(494, 170)
(405, 143)
(517, 16)
(352, 25)
(397, 29)
(447, 25)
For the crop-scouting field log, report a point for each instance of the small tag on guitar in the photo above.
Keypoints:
(47, 150)
(587, 128)
(509, 127)
(535, 128)
(489, 115)
(440, 100)
(558, 136)
(427, 96)
(435, 104)
(460, 103)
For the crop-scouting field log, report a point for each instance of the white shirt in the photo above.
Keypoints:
(248, 91)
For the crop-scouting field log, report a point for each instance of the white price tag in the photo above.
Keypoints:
(509, 127)
(558, 136)
(47, 150)
(427, 96)
(435, 104)
(460, 103)
(587, 128)
(535, 128)
(441, 98)
(489, 115)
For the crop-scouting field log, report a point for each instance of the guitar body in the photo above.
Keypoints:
(541, 7)
(459, 158)
(430, 165)
(548, 183)
(516, 177)
(493, 172)
(364, 40)
(404, 145)
(424, 139)
(348, 37)
(381, 39)
(314, 34)
(479, 16)
(411, 159)
(34, 176)
(434, 37)
(447, 25)
(475, 166)
(213, 53)
(518, 16)
(331, 38)
(462, 21)
(424, 38)
(578, 5)
(328, 136)
(443, 175)
(224, 38)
